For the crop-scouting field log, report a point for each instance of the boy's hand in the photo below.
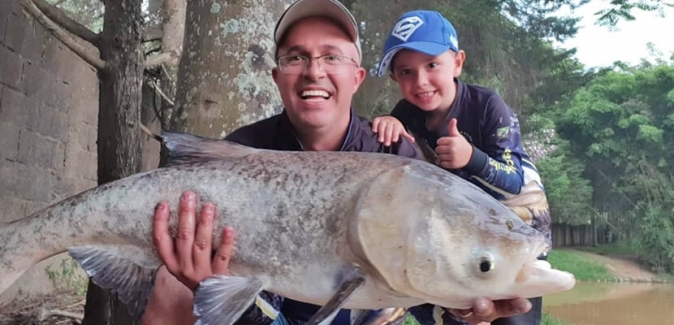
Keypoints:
(453, 151)
(389, 130)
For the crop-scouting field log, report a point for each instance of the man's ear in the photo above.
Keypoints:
(274, 74)
(359, 77)
(459, 58)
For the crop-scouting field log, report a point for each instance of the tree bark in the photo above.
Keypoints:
(119, 135)
(224, 78)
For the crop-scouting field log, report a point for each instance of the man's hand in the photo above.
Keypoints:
(188, 257)
(453, 151)
(389, 130)
(485, 311)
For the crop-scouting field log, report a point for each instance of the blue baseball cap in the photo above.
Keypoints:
(425, 31)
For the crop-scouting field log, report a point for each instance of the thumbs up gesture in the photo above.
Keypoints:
(453, 151)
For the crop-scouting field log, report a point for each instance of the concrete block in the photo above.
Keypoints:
(10, 67)
(79, 163)
(11, 178)
(15, 22)
(36, 150)
(10, 106)
(33, 43)
(9, 141)
(12, 209)
(53, 123)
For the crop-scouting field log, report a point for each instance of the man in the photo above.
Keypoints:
(318, 71)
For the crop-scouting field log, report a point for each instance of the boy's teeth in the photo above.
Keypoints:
(313, 93)
(426, 94)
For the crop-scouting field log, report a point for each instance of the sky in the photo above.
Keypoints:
(600, 46)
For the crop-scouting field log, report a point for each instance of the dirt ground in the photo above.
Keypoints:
(56, 309)
(622, 266)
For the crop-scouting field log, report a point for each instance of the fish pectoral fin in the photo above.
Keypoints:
(222, 299)
(348, 284)
(117, 269)
(358, 316)
(186, 148)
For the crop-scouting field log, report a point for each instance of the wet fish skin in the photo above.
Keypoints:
(304, 220)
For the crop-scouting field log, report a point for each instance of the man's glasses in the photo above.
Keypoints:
(331, 64)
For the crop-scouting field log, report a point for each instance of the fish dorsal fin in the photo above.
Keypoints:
(185, 148)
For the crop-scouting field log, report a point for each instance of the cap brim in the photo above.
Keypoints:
(313, 8)
(428, 48)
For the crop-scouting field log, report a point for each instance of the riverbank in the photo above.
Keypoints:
(601, 264)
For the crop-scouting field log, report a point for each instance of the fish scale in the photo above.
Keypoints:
(338, 229)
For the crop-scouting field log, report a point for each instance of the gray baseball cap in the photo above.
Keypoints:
(331, 9)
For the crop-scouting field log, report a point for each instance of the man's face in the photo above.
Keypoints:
(312, 98)
(427, 81)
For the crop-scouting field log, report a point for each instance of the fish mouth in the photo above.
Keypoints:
(537, 277)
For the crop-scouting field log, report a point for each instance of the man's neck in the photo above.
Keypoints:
(329, 138)
(328, 141)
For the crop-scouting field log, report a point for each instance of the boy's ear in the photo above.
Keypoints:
(392, 76)
(459, 58)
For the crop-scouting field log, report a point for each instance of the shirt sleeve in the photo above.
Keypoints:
(498, 163)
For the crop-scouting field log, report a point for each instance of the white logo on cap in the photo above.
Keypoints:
(406, 27)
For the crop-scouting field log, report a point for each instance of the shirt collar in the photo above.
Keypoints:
(285, 137)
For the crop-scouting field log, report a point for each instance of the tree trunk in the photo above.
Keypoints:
(224, 76)
(119, 137)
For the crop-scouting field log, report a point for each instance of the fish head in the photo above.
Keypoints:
(434, 236)
(466, 245)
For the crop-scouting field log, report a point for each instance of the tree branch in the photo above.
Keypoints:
(61, 35)
(67, 23)
(165, 57)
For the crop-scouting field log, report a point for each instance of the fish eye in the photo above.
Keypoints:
(486, 265)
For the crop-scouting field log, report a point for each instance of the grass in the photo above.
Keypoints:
(580, 266)
(66, 278)
(550, 320)
(616, 249)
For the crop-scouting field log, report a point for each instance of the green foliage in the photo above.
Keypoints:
(550, 320)
(579, 265)
(66, 278)
(620, 126)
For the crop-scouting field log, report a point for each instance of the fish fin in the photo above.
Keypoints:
(350, 281)
(328, 320)
(185, 148)
(222, 299)
(111, 268)
(358, 316)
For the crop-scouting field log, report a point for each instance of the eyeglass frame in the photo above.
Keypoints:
(308, 62)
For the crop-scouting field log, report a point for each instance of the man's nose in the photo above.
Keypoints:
(314, 70)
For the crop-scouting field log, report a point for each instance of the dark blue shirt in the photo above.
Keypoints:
(499, 164)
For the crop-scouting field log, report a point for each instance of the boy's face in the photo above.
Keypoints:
(427, 81)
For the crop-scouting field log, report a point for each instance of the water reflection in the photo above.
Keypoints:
(590, 303)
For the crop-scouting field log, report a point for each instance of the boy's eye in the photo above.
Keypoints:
(432, 65)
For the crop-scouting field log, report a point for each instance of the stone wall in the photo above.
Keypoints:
(48, 118)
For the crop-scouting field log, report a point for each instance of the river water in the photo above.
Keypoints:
(592, 303)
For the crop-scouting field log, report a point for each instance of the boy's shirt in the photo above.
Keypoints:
(499, 164)
(277, 133)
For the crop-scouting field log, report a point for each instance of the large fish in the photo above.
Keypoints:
(338, 229)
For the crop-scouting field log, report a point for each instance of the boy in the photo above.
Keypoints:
(469, 129)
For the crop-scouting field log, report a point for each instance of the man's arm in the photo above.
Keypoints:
(498, 163)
